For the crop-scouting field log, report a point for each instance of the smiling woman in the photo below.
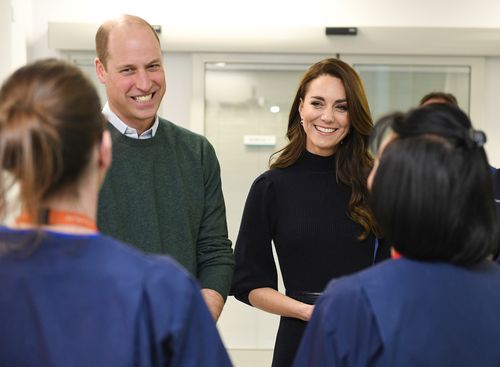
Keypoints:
(324, 115)
(312, 205)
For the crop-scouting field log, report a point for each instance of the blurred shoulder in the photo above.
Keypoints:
(132, 260)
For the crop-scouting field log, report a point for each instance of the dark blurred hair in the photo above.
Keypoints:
(50, 119)
(381, 131)
(445, 97)
(353, 159)
(432, 193)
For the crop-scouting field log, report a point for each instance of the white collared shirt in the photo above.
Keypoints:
(127, 130)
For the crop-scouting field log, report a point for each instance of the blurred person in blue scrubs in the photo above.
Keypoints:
(70, 295)
(437, 305)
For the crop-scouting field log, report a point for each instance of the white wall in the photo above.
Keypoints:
(176, 105)
(203, 15)
(492, 109)
(5, 38)
(28, 32)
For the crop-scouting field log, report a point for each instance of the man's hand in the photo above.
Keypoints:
(214, 301)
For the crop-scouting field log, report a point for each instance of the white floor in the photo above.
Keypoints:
(251, 357)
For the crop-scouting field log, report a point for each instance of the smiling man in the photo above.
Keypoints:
(163, 192)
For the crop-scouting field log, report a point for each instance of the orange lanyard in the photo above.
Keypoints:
(60, 217)
(395, 254)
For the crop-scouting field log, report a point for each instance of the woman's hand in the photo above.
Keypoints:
(270, 300)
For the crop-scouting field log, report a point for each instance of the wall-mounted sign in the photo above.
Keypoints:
(259, 140)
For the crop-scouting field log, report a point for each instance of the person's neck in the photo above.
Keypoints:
(139, 125)
(75, 212)
(84, 206)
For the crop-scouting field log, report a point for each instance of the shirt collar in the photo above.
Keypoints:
(127, 130)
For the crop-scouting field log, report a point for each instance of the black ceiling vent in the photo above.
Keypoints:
(341, 31)
(157, 28)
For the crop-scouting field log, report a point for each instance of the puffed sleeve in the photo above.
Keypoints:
(343, 330)
(255, 267)
(175, 327)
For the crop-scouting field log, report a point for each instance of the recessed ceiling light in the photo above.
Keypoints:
(275, 109)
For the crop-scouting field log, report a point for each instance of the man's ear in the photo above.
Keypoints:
(105, 151)
(100, 70)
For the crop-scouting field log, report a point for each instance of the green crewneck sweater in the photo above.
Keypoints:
(164, 195)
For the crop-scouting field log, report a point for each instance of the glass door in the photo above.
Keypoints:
(241, 103)
(400, 87)
(246, 106)
(397, 83)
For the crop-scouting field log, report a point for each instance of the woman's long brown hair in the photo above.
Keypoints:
(353, 160)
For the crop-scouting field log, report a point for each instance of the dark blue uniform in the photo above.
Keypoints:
(88, 300)
(407, 313)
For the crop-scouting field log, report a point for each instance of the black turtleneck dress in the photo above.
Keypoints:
(302, 209)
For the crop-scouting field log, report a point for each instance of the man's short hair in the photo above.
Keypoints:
(445, 97)
(102, 35)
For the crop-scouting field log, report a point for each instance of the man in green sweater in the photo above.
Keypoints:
(163, 192)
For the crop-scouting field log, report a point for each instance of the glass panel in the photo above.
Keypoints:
(86, 64)
(246, 116)
(400, 87)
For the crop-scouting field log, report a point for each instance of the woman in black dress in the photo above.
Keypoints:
(312, 204)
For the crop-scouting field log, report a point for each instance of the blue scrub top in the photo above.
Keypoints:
(407, 313)
(89, 300)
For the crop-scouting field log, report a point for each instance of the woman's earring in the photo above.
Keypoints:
(302, 121)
